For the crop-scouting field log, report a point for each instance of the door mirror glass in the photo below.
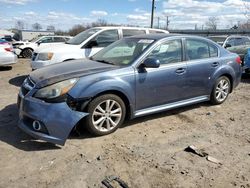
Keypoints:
(151, 63)
(228, 45)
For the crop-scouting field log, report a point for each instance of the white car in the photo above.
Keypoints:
(7, 56)
(25, 49)
(85, 44)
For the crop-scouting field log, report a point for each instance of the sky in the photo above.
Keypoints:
(182, 14)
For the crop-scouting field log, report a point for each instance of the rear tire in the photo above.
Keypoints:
(221, 90)
(27, 53)
(106, 114)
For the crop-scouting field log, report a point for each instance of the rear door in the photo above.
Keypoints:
(202, 61)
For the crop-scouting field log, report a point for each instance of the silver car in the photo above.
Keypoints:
(7, 56)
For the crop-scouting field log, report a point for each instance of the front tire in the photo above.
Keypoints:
(106, 114)
(27, 53)
(221, 90)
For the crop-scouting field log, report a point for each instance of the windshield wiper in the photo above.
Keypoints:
(104, 61)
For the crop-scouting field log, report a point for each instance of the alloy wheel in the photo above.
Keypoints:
(107, 115)
(222, 90)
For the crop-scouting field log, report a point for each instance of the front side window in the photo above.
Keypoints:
(196, 49)
(59, 39)
(45, 40)
(106, 38)
(132, 32)
(168, 52)
(78, 39)
(123, 52)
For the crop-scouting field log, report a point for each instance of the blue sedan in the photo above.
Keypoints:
(132, 77)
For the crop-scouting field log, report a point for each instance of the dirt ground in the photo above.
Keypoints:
(147, 152)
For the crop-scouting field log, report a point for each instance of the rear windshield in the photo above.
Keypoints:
(218, 39)
(78, 39)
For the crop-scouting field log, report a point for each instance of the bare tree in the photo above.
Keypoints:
(76, 29)
(100, 22)
(51, 28)
(212, 23)
(246, 25)
(37, 26)
(19, 25)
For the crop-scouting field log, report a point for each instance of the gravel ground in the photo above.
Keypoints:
(146, 152)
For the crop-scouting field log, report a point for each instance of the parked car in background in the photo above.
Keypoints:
(246, 66)
(7, 56)
(234, 43)
(132, 77)
(85, 44)
(25, 49)
(3, 41)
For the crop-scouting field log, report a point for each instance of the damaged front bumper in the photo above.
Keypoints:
(51, 122)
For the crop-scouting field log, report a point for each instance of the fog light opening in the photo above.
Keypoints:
(36, 125)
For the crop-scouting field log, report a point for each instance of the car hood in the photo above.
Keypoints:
(56, 47)
(66, 70)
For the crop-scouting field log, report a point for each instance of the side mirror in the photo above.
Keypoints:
(228, 45)
(39, 42)
(91, 44)
(151, 63)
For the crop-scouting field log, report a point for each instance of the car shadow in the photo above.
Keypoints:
(159, 115)
(12, 135)
(245, 78)
(5, 68)
(18, 80)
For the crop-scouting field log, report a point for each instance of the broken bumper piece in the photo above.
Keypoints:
(51, 122)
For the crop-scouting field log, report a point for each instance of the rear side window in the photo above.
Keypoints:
(196, 49)
(46, 40)
(132, 32)
(213, 50)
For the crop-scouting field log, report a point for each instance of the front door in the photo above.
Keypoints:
(166, 84)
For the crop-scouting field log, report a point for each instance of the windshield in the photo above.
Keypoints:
(123, 52)
(78, 39)
(34, 39)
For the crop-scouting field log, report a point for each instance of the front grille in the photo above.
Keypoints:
(28, 85)
(34, 56)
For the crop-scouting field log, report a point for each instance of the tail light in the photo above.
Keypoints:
(238, 60)
(8, 49)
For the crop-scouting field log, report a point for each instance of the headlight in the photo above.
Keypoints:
(55, 90)
(45, 56)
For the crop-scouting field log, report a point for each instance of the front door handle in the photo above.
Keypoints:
(180, 70)
(215, 64)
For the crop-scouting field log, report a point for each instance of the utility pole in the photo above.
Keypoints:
(158, 22)
(152, 13)
(167, 23)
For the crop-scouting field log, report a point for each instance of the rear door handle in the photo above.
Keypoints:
(215, 64)
(180, 70)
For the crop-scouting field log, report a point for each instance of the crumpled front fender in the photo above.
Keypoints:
(57, 118)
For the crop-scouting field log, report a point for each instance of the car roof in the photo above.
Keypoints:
(159, 36)
(126, 27)
(225, 36)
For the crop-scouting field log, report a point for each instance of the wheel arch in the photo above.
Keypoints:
(224, 71)
(27, 48)
(122, 96)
